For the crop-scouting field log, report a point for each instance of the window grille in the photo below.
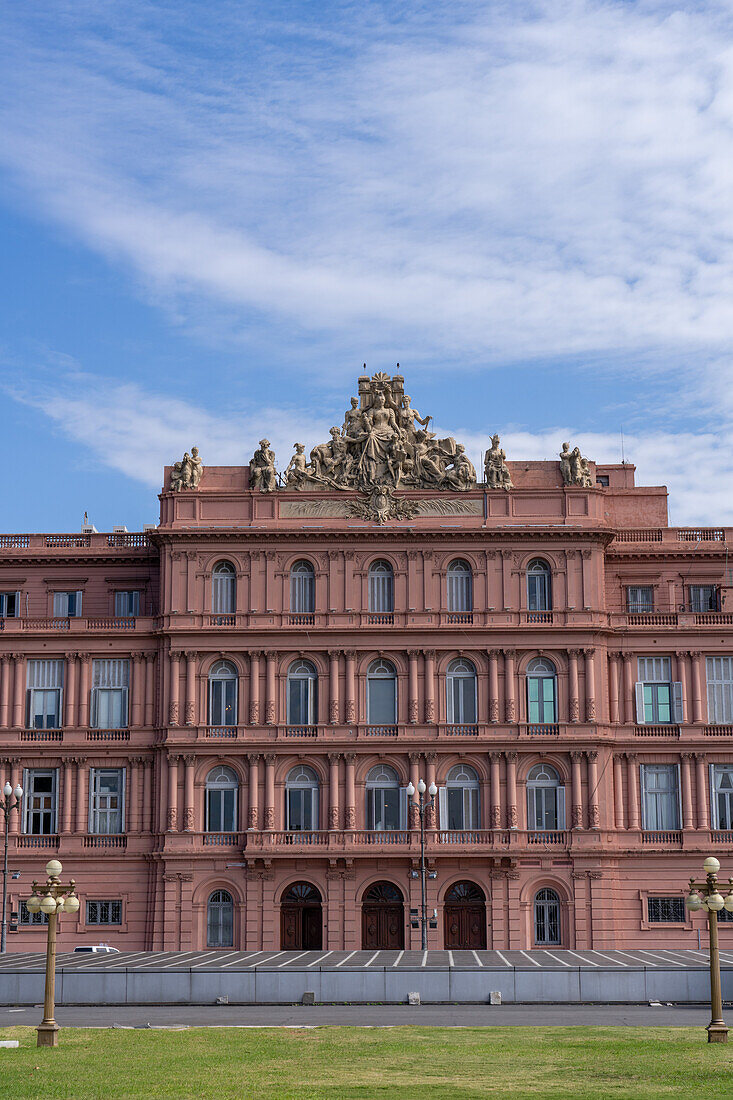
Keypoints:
(27, 918)
(546, 918)
(666, 910)
(104, 912)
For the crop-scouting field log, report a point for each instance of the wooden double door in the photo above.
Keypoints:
(301, 919)
(383, 918)
(465, 917)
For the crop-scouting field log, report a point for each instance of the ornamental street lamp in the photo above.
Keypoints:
(53, 898)
(422, 806)
(706, 895)
(7, 804)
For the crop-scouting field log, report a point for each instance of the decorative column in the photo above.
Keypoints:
(413, 704)
(173, 705)
(573, 700)
(413, 815)
(188, 800)
(254, 687)
(594, 816)
(613, 687)
(148, 823)
(253, 815)
(629, 699)
(429, 685)
(511, 790)
(136, 690)
(334, 708)
(684, 678)
(493, 685)
(84, 688)
(577, 810)
(506, 580)
(495, 758)
(430, 759)
(134, 806)
(172, 817)
(82, 808)
(703, 817)
(66, 804)
(688, 821)
(350, 792)
(190, 715)
(269, 790)
(19, 690)
(333, 790)
(618, 790)
(70, 690)
(590, 686)
(696, 690)
(271, 689)
(149, 689)
(351, 686)
(632, 783)
(5, 669)
(511, 706)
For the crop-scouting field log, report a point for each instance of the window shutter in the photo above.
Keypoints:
(404, 815)
(713, 799)
(561, 807)
(678, 711)
(17, 605)
(639, 690)
(78, 605)
(58, 605)
(443, 807)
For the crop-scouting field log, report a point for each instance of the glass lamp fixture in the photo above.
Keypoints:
(18, 792)
(421, 786)
(728, 903)
(7, 790)
(410, 789)
(711, 866)
(53, 868)
(71, 904)
(432, 790)
(716, 902)
(33, 905)
(48, 905)
(693, 901)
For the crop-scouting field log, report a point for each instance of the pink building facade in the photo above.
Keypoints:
(215, 721)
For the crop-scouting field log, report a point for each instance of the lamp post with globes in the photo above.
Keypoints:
(7, 805)
(706, 895)
(422, 806)
(53, 898)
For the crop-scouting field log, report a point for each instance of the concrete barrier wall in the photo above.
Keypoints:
(259, 986)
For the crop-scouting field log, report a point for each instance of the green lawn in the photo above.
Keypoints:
(345, 1063)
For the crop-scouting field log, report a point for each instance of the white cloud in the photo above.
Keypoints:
(508, 183)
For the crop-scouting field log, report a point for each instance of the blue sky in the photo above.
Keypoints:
(212, 215)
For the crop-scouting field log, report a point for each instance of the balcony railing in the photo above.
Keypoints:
(652, 618)
(222, 840)
(303, 618)
(41, 735)
(135, 540)
(222, 620)
(721, 836)
(108, 735)
(104, 840)
(221, 733)
(461, 730)
(554, 837)
(381, 731)
(383, 618)
(544, 729)
(640, 534)
(538, 617)
(663, 837)
(77, 625)
(45, 840)
(718, 731)
(299, 731)
(666, 729)
(701, 534)
(459, 618)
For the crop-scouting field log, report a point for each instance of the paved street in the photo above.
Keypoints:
(365, 1016)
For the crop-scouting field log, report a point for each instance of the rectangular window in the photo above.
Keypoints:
(127, 605)
(721, 779)
(66, 605)
(704, 597)
(9, 605)
(383, 808)
(104, 912)
(639, 599)
(381, 701)
(602, 479)
(461, 700)
(719, 672)
(110, 686)
(462, 807)
(660, 793)
(106, 796)
(45, 681)
(541, 699)
(221, 810)
(40, 801)
(301, 701)
(302, 808)
(658, 699)
(28, 919)
(666, 910)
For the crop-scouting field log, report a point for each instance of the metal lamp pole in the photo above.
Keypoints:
(53, 898)
(706, 895)
(7, 805)
(421, 806)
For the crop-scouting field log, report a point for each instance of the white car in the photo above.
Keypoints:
(98, 949)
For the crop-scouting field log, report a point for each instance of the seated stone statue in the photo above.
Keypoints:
(297, 470)
(262, 473)
(496, 471)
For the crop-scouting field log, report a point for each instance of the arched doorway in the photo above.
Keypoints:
(301, 919)
(220, 920)
(465, 917)
(382, 918)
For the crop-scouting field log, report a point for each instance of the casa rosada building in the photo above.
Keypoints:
(215, 721)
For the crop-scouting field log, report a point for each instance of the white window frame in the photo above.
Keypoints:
(95, 794)
(305, 675)
(223, 588)
(454, 673)
(458, 779)
(29, 775)
(459, 583)
(5, 599)
(375, 782)
(645, 794)
(110, 683)
(101, 903)
(67, 604)
(714, 808)
(381, 588)
(44, 677)
(221, 779)
(217, 676)
(719, 679)
(372, 677)
(302, 588)
(535, 785)
(127, 603)
(302, 780)
(657, 671)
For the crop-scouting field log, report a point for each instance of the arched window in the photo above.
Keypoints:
(539, 586)
(221, 801)
(382, 798)
(302, 694)
(220, 920)
(460, 796)
(381, 693)
(301, 799)
(461, 693)
(545, 799)
(224, 589)
(541, 692)
(302, 588)
(381, 588)
(460, 587)
(546, 918)
(223, 694)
